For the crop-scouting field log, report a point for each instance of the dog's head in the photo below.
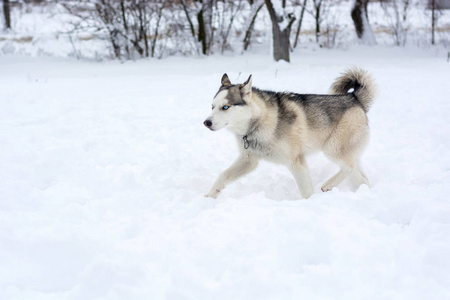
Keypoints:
(230, 107)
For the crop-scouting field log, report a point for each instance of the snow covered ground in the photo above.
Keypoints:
(103, 167)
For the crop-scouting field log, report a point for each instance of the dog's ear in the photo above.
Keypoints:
(246, 88)
(225, 80)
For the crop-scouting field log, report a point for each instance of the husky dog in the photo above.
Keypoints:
(284, 127)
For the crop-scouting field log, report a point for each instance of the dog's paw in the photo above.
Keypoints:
(326, 188)
(212, 194)
(307, 194)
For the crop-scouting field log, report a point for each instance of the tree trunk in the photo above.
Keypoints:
(299, 27)
(142, 27)
(433, 20)
(191, 25)
(361, 22)
(201, 31)
(280, 44)
(125, 26)
(227, 33)
(256, 7)
(7, 14)
(157, 28)
(114, 37)
(205, 34)
(281, 32)
(318, 21)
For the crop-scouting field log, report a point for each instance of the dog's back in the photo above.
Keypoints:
(326, 110)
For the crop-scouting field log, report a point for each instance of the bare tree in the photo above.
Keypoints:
(205, 32)
(137, 15)
(226, 13)
(204, 11)
(361, 21)
(432, 4)
(317, 16)
(128, 24)
(255, 8)
(188, 17)
(300, 21)
(159, 16)
(397, 16)
(319, 12)
(281, 28)
(436, 8)
(7, 14)
(107, 12)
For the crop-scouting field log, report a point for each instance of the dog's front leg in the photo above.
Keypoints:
(243, 165)
(300, 171)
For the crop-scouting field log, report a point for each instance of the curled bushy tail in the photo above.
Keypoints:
(361, 81)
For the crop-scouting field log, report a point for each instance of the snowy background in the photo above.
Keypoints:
(50, 30)
(103, 167)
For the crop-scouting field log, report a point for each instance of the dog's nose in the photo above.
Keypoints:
(207, 123)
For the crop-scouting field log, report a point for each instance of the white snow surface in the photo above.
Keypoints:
(103, 167)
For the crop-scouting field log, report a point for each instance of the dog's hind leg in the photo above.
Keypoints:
(345, 147)
(300, 171)
(358, 176)
(243, 165)
(346, 170)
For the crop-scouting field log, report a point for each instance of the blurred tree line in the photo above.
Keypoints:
(135, 28)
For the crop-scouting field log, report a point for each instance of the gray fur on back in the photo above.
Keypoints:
(320, 110)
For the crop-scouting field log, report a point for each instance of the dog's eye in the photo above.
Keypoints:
(212, 107)
(225, 107)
